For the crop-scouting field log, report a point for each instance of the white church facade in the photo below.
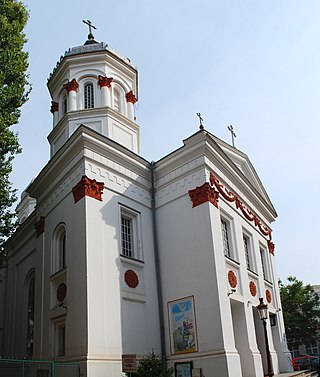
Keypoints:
(115, 255)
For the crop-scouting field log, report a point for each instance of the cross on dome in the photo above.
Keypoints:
(90, 35)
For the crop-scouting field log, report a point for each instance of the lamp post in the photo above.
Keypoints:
(263, 314)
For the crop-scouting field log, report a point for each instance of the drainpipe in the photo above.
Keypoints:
(157, 262)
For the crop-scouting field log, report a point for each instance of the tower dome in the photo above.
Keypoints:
(94, 85)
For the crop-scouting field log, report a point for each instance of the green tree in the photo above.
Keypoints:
(14, 91)
(152, 366)
(301, 312)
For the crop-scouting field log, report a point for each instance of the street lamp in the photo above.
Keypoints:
(263, 314)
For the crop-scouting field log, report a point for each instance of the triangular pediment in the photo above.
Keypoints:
(242, 164)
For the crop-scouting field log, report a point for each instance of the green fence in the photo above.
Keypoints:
(38, 368)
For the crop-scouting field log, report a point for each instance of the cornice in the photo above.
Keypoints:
(201, 149)
(87, 148)
(68, 62)
(86, 114)
(25, 233)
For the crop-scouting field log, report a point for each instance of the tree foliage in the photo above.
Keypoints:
(14, 91)
(152, 366)
(301, 311)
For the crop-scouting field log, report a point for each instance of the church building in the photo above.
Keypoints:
(118, 256)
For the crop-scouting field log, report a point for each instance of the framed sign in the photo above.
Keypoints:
(183, 369)
(182, 326)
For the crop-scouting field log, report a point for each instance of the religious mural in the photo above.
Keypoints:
(182, 325)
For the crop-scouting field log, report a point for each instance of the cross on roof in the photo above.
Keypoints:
(89, 23)
(201, 120)
(233, 135)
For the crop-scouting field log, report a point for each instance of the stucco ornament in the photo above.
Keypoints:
(232, 279)
(61, 292)
(253, 288)
(131, 278)
(268, 296)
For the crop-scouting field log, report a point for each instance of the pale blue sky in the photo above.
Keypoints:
(254, 64)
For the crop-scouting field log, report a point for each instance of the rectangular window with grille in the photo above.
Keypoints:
(130, 243)
(59, 334)
(225, 238)
(247, 250)
(126, 236)
(265, 264)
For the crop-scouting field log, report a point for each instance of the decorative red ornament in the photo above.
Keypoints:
(268, 296)
(71, 85)
(54, 106)
(202, 194)
(232, 279)
(61, 292)
(271, 247)
(104, 81)
(131, 278)
(248, 214)
(39, 226)
(253, 288)
(131, 97)
(88, 187)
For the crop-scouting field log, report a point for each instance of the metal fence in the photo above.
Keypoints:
(38, 368)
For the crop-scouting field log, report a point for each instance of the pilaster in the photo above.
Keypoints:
(71, 88)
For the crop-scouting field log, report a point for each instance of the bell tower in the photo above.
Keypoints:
(95, 86)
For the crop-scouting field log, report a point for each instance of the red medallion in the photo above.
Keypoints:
(232, 279)
(268, 296)
(61, 292)
(253, 288)
(131, 278)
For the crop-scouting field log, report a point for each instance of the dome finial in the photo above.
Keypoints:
(90, 35)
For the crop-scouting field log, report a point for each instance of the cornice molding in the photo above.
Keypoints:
(229, 196)
(202, 145)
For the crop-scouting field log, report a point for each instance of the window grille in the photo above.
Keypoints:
(30, 327)
(59, 249)
(247, 251)
(225, 237)
(88, 96)
(263, 263)
(116, 100)
(127, 236)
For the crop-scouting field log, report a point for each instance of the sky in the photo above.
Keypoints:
(253, 64)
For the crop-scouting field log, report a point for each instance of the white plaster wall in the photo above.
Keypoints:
(76, 313)
(16, 307)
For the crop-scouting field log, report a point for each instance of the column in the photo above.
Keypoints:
(71, 87)
(105, 86)
(55, 112)
(131, 100)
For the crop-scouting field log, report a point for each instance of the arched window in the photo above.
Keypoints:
(59, 249)
(88, 96)
(64, 104)
(30, 313)
(116, 100)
